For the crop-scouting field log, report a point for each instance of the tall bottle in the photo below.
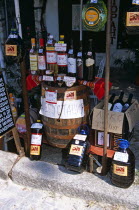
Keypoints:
(14, 49)
(118, 104)
(51, 55)
(127, 103)
(80, 73)
(41, 57)
(71, 61)
(33, 57)
(36, 140)
(62, 59)
(90, 63)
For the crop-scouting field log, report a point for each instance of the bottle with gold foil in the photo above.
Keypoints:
(33, 58)
(41, 57)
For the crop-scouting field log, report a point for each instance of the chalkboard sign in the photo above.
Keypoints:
(6, 118)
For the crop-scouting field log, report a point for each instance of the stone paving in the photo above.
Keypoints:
(15, 197)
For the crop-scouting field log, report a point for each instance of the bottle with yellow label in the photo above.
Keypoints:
(33, 57)
(122, 171)
(36, 140)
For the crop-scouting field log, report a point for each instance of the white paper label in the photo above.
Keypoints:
(41, 63)
(48, 78)
(117, 107)
(101, 138)
(62, 59)
(80, 137)
(60, 47)
(51, 97)
(36, 139)
(51, 57)
(89, 62)
(71, 65)
(37, 125)
(120, 156)
(70, 109)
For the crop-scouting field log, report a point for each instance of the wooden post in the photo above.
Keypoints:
(26, 108)
(107, 77)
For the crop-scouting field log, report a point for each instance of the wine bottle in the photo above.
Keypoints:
(14, 49)
(51, 55)
(118, 104)
(127, 103)
(80, 74)
(36, 140)
(33, 58)
(110, 102)
(41, 57)
(71, 61)
(62, 59)
(90, 63)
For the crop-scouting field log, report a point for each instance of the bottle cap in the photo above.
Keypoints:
(61, 36)
(41, 42)
(123, 144)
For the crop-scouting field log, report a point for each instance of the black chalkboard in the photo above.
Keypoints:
(6, 118)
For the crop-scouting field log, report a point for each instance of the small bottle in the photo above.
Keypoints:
(128, 103)
(62, 60)
(71, 61)
(33, 58)
(118, 104)
(90, 63)
(122, 172)
(14, 49)
(41, 57)
(80, 73)
(51, 55)
(36, 140)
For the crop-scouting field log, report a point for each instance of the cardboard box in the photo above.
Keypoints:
(115, 119)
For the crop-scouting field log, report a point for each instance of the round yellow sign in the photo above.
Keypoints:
(91, 16)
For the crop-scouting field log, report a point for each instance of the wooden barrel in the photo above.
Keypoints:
(60, 132)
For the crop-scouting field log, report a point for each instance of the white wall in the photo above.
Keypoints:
(51, 18)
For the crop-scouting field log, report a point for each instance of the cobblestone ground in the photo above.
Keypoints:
(15, 197)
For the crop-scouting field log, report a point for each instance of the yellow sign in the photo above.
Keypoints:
(120, 170)
(35, 150)
(76, 150)
(92, 16)
(132, 19)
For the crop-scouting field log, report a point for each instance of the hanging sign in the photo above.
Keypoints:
(6, 119)
(64, 109)
(51, 96)
(94, 16)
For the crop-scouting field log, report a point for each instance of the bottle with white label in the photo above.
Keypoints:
(80, 73)
(62, 60)
(36, 140)
(118, 104)
(90, 63)
(71, 61)
(122, 172)
(41, 57)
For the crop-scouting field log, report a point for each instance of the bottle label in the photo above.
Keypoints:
(89, 62)
(120, 170)
(33, 63)
(40, 50)
(36, 139)
(76, 150)
(117, 107)
(62, 59)
(79, 54)
(71, 65)
(80, 68)
(11, 50)
(120, 156)
(48, 78)
(41, 63)
(89, 53)
(51, 57)
(34, 150)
